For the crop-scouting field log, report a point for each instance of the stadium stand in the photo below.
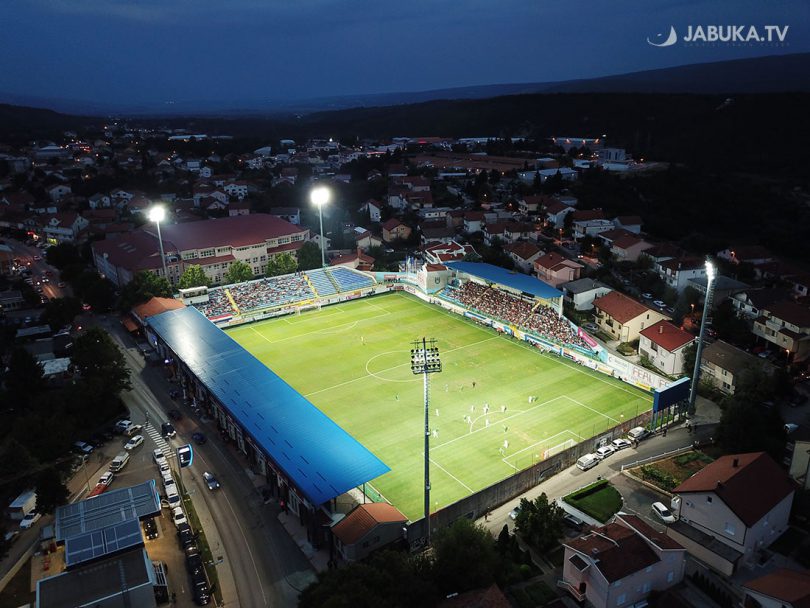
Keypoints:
(349, 280)
(514, 310)
(271, 292)
(217, 305)
(321, 282)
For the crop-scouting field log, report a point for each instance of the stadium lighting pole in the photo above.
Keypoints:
(157, 215)
(319, 197)
(425, 360)
(711, 274)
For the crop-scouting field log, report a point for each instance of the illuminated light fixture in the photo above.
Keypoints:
(157, 214)
(319, 196)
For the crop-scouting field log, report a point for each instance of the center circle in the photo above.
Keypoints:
(393, 366)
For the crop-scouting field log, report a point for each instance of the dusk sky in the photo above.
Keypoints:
(135, 51)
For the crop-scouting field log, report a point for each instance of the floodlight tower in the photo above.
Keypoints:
(319, 197)
(711, 274)
(157, 214)
(425, 360)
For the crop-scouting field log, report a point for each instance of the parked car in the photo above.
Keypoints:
(573, 522)
(211, 481)
(664, 514)
(122, 425)
(133, 443)
(514, 512)
(604, 452)
(133, 430)
(198, 438)
(620, 444)
(106, 479)
(29, 520)
(638, 433)
(659, 303)
(150, 529)
(158, 456)
(647, 296)
(591, 327)
(80, 447)
(179, 516)
(185, 535)
(168, 430)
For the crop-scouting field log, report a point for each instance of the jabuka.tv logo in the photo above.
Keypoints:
(773, 35)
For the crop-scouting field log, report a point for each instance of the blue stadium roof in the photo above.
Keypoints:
(515, 280)
(322, 459)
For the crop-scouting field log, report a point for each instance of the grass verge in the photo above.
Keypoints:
(600, 500)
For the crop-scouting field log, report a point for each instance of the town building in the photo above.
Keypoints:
(582, 292)
(554, 269)
(622, 317)
(786, 325)
(367, 528)
(663, 344)
(722, 365)
(782, 588)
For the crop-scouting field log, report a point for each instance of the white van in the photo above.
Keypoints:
(119, 462)
(588, 461)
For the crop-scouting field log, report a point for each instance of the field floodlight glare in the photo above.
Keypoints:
(319, 196)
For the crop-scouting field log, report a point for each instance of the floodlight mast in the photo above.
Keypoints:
(425, 360)
(711, 273)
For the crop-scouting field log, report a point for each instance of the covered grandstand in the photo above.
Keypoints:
(308, 458)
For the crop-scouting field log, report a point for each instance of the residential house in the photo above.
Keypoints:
(622, 317)
(288, 214)
(801, 284)
(797, 455)
(631, 223)
(433, 232)
(555, 212)
(99, 200)
(492, 231)
(663, 344)
(237, 189)
(624, 246)
(750, 302)
(367, 528)
(621, 563)
(212, 244)
(723, 288)
(473, 221)
(566, 174)
(357, 260)
(415, 183)
(139, 204)
(491, 597)
(732, 509)
(18, 199)
(781, 588)
(239, 208)
(64, 227)
(398, 196)
(395, 230)
(317, 239)
(374, 209)
(583, 228)
(120, 197)
(661, 252)
(722, 365)
(746, 254)
(534, 203)
(677, 273)
(365, 240)
(523, 254)
(58, 192)
(554, 269)
(582, 292)
(518, 231)
(786, 325)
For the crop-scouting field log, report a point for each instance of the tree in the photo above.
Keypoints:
(51, 491)
(143, 287)
(539, 522)
(689, 354)
(281, 264)
(194, 276)
(96, 357)
(63, 255)
(100, 294)
(465, 557)
(24, 378)
(61, 311)
(238, 272)
(309, 256)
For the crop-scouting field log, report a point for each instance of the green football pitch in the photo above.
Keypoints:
(498, 405)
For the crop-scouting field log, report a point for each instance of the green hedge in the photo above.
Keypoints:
(658, 477)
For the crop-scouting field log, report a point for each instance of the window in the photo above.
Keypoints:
(621, 599)
(646, 588)
(730, 528)
(670, 576)
(708, 499)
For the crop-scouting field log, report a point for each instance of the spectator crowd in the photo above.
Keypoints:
(517, 311)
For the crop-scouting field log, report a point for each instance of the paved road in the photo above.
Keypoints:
(266, 566)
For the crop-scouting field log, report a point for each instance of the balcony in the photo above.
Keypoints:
(572, 589)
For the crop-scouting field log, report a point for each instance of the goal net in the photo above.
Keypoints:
(561, 447)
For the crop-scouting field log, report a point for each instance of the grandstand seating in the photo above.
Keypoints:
(349, 280)
(321, 282)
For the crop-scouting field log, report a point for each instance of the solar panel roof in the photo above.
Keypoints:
(322, 459)
(108, 509)
(92, 545)
(515, 280)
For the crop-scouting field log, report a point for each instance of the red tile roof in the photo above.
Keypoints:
(667, 336)
(620, 307)
(683, 264)
(588, 214)
(616, 550)
(731, 478)
(791, 312)
(788, 586)
(391, 224)
(554, 206)
(523, 249)
(155, 306)
(629, 220)
(492, 597)
(555, 261)
(365, 518)
(234, 231)
(659, 539)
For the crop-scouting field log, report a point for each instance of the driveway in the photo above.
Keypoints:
(638, 499)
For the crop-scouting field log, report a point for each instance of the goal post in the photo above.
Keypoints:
(560, 447)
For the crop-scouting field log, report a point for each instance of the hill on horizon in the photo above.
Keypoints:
(770, 74)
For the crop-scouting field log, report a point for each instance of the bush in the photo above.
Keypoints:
(658, 477)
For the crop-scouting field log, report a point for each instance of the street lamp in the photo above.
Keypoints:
(711, 273)
(157, 214)
(425, 360)
(319, 197)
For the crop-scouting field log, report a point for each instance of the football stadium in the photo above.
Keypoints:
(310, 375)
